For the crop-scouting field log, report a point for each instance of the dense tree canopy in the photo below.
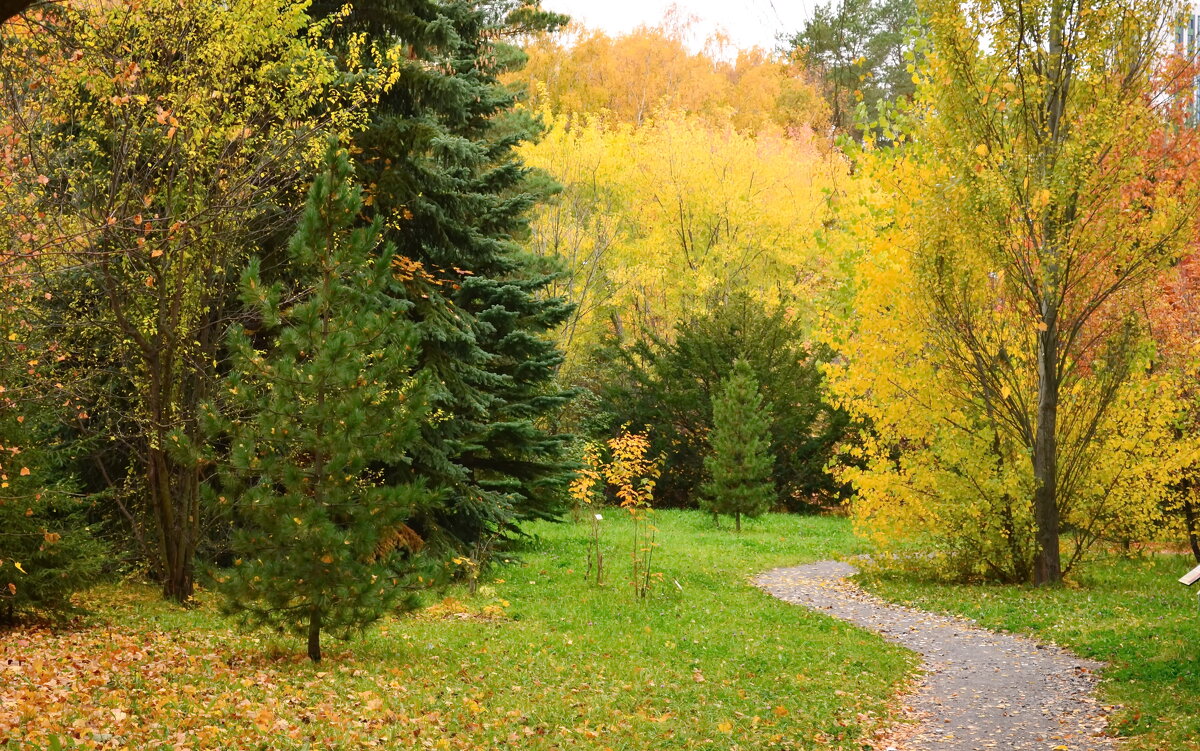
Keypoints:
(632, 77)
(661, 222)
(998, 349)
(861, 52)
(973, 321)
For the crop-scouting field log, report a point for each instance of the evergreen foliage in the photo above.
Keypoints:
(323, 541)
(672, 385)
(453, 198)
(47, 549)
(739, 467)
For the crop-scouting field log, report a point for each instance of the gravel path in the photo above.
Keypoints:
(980, 690)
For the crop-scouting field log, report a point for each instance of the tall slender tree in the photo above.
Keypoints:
(1031, 214)
(859, 49)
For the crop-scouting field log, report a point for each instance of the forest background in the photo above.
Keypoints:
(324, 303)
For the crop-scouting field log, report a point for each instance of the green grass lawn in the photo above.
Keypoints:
(538, 659)
(1130, 613)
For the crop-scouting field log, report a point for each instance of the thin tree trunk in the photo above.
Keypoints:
(618, 327)
(173, 489)
(314, 635)
(1048, 569)
(1189, 516)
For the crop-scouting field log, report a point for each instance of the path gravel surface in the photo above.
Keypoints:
(980, 690)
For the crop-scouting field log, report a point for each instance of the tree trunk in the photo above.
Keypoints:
(1048, 569)
(1189, 517)
(10, 8)
(314, 635)
(618, 327)
(1048, 566)
(176, 507)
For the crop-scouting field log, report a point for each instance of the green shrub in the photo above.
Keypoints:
(671, 385)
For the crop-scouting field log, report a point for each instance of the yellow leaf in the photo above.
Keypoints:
(780, 711)
(981, 150)
(725, 727)
(20, 568)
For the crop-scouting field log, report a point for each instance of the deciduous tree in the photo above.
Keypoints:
(663, 222)
(999, 351)
(146, 147)
(631, 77)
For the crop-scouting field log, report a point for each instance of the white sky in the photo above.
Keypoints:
(748, 23)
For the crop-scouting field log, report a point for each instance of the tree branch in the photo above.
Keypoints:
(10, 8)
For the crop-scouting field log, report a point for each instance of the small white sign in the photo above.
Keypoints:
(1190, 577)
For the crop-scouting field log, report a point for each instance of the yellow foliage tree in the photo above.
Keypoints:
(997, 348)
(144, 148)
(661, 221)
(632, 76)
(941, 471)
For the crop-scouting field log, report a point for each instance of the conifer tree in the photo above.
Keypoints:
(739, 466)
(454, 199)
(315, 420)
(47, 550)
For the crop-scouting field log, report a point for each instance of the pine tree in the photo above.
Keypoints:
(739, 466)
(454, 198)
(316, 419)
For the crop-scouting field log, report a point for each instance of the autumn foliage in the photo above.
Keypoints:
(336, 304)
(998, 347)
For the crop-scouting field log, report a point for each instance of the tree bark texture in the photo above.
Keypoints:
(11, 8)
(314, 635)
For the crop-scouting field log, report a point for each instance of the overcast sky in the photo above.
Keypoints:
(748, 23)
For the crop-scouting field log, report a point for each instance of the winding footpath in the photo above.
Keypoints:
(980, 690)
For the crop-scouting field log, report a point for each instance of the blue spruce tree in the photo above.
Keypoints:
(453, 197)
